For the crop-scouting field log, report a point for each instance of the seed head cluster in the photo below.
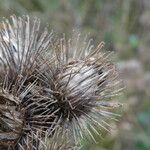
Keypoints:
(51, 87)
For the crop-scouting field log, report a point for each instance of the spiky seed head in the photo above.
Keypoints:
(81, 80)
(20, 45)
(66, 83)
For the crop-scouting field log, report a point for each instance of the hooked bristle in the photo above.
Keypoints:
(52, 87)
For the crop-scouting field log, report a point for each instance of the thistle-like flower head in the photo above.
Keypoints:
(81, 80)
(50, 87)
(20, 45)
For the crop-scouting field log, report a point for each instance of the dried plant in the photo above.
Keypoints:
(20, 46)
(51, 88)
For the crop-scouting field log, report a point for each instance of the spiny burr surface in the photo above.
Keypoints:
(52, 86)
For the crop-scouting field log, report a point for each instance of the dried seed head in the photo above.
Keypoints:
(49, 84)
(81, 80)
(20, 45)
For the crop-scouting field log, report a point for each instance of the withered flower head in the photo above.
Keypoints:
(20, 45)
(51, 87)
(81, 81)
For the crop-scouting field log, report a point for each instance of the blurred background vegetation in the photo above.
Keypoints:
(124, 25)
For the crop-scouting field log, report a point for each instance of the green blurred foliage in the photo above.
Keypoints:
(125, 27)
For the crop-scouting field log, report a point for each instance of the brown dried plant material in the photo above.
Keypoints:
(52, 87)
